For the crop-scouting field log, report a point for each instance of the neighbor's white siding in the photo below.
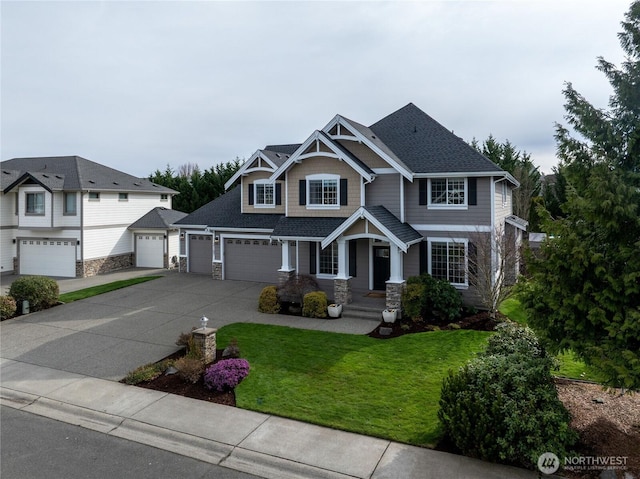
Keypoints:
(59, 218)
(8, 231)
(174, 245)
(34, 221)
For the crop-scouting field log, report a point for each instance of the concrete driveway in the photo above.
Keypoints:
(107, 336)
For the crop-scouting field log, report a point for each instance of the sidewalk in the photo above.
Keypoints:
(256, 443)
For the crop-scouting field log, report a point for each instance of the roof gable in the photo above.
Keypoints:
(261, 160)
(321, 144)
(158, 218)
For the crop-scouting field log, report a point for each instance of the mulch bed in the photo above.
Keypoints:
(478, 322)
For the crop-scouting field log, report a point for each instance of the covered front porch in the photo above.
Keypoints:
(357, 255)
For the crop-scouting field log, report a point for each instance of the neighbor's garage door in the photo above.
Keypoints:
(252, 260)
(200, 254)
(48, 258)
(150, 250)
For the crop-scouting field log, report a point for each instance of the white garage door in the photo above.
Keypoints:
(48, 257)
(150, 250)
(252, 260)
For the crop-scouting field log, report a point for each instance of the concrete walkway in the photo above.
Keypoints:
(64, 363)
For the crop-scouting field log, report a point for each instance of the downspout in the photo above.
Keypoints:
(82, 231)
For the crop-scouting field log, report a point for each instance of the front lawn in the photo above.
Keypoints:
(387, 388)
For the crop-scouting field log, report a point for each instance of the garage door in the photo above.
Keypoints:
(150, 250)
(48, 257)
(252, 260)
(200, 254)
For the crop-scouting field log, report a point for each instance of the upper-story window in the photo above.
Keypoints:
(94, 196)
(323, 191)
(123, 196)
(34, 203)
(164, 197)
(70, 204)
(264, 194)
(448, 192)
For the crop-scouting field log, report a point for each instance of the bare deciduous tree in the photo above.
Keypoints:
(493, 263)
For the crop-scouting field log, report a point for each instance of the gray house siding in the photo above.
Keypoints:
(411, 263)
(479, 214)
(385, 190)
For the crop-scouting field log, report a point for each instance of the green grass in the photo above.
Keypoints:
(570, 365)
(386, 388)
(103, 288)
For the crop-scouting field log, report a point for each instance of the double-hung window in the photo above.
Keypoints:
(323, 190)
(448, 260)
(448, 192)
(34, 203)
(264, 194)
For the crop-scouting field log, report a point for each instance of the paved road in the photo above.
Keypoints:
(36, 447)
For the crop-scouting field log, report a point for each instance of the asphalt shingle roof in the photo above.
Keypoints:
(224, 212)
(286, 149)
(403, 231)
(306, 227)
(426, 146)
(158, 218)
(74, 173)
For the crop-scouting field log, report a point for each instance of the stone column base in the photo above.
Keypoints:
(205, 339)
(284, 276)
(216, 271)
(394, 295)
(342, 291)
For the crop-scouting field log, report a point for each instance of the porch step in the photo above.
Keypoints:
(361, 312)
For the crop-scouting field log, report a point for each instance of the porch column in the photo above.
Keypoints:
(343, 259)
(395, 257)
(286, 257)
(396, 282)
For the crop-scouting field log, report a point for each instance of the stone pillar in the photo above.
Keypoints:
(284, 276)
(342, 291)
(205, 339)
(216, 270)
(394, 295)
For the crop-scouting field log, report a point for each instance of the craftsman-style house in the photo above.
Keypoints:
(359, 208)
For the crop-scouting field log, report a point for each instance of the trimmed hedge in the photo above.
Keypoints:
(268, 301)
(41, 292)
(427, 298)
(8, 307)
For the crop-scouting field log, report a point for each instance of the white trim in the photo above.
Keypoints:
(244, 169)
(385, 171)
(453, 228)
(298, 156)
(343, 122)
(478, 174)
(402, 199)
(263, 182)
(322, 177)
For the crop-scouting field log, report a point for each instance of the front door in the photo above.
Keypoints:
(381, 267)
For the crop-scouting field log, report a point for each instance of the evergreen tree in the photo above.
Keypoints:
(584, 293)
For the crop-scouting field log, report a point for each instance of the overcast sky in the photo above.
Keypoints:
(139, 85)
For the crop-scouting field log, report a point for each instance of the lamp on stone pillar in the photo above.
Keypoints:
(203, 322)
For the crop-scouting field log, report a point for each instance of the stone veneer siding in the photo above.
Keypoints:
(206, 341)
(96, 266)
(284, 276)
(342, 291)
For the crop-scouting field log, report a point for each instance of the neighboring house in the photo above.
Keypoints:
(359, 208)
(70, 217)
(156, 241)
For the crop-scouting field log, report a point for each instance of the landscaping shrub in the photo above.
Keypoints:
(315, 305)
(512, 338)
(192, 350)
(268, 301)
(40, 291)
(7, 307)
(148, 372)
(294, 289)
(426, 298)
(505, 407)
(189, 369)
(226, 374)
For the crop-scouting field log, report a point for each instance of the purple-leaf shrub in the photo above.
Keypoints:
(226, 374)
